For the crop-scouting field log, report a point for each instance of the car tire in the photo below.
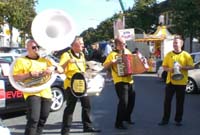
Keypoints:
(191, 86)
(58, 99)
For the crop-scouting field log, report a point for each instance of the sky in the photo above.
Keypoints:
(85, 13)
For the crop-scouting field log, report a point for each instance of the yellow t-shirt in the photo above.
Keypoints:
(25, 65)
(116, 78)
(72, 68)
(184, 59)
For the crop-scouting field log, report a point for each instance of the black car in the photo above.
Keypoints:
(11, 100)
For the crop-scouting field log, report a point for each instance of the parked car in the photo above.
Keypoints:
(12, 100)
(193, 85)
(195, 56)
(9, 57)
(18, 50)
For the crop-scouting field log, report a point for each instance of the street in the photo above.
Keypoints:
(146, 115)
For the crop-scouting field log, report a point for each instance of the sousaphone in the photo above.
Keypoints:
(53, 30)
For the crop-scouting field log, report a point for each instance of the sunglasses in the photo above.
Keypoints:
(34, 47)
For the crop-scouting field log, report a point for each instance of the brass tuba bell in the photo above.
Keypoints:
(177, 74)
(53, 29)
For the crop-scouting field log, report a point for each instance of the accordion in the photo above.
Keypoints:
(129, 64)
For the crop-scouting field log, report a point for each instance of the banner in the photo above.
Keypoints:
(127, 34)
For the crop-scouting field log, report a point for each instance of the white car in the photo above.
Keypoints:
(195, 56)
(9, 57)
(18, 50)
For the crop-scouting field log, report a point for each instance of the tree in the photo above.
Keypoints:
(141, 16)
(185, 18)
(18, 14)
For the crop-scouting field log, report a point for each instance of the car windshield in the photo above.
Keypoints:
(196, 57)
(6, 58)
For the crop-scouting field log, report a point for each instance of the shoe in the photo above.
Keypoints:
(178, 124)
(121, 126)
(91, 130)
(162, 123)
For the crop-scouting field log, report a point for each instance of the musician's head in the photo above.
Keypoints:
(120, 43)
(78, 44)
(32, 48)
(177, 43)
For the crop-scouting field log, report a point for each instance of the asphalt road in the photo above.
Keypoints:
(147, 113)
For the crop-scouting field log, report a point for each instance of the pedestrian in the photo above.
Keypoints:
(73, 61)
(176, 85)
(124, 85)
(96, 53)
(107, 50)
(29, 67)
(136, 51)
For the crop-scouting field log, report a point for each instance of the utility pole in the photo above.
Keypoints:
(121, 4)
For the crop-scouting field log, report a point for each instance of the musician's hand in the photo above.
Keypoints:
(48, 71)
(36, 74)
(71, 61)
(115, 61)
(170, 70)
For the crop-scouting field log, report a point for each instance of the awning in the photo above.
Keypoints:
(160, 34)
(149, 39)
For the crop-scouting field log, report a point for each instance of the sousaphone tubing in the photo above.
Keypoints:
(53, 30)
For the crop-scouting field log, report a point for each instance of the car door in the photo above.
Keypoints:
(10, 98)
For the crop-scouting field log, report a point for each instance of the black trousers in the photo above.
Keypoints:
(170, 90)
(37, 114)
(126, 96)
(69, 110)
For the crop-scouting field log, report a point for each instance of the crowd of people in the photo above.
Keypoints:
(73, 61)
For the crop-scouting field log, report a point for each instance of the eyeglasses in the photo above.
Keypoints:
(34, 47)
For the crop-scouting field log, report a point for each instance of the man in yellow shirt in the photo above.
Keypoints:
(123, 85)
(38, 103)
(176, 85)
(73, 61)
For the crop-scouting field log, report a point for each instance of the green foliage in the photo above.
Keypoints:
(18, 14)
(144, 4)
(185, 18)
(143, 15)
(186, 14)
